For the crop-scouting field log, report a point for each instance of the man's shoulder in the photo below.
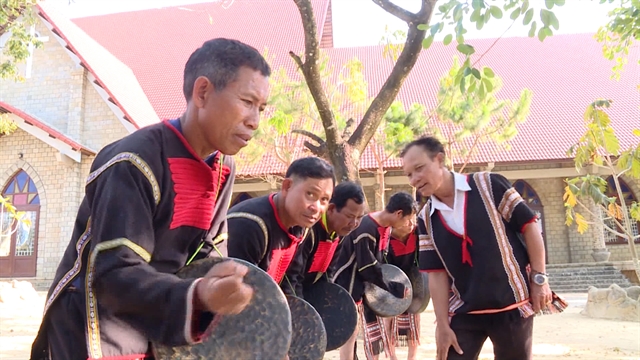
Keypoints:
(143, 144)
(253, 211)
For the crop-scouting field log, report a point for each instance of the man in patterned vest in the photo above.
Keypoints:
(483, 249)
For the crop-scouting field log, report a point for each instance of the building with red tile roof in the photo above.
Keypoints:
(100, 78)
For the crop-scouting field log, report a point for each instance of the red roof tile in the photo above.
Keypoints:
(6, 108)
(159, 41)
(565, 72)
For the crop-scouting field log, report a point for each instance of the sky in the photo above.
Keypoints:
(368, 28)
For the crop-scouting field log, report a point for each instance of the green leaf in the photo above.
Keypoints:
(488, 84)
(611, 143)
(543, 33)
(549, 3)
(466, 49)
(545, 17)
(475, 15)
(476, 73)
(447, 39)
(423, 27)
(496, 12)
(462, 83)
(515, 13)
(553, 21)
(434, 29)
(528, 16)
(559, 2)
(532, 31)
(426, 43)
(489, 73)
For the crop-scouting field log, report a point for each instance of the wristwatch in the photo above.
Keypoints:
(540, 278)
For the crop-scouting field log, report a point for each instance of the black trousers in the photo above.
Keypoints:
(62, 333)
(510, 334)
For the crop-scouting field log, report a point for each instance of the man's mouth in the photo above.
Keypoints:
(244, 138)
(310, 218)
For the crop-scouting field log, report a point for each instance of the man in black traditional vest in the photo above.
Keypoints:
(319, 249)
(477, 227)
(154, 200)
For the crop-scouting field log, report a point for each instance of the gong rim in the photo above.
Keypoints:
(262, 330)
(421, 294)
(382, 302)
(309, 337)
(336, 308)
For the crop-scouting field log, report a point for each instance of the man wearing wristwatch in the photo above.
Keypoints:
(483, 250)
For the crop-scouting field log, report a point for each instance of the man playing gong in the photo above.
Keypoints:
(404, 329)
(477, 227)
(154, 200)
(358, 262)
(345, 211)
(266, 231)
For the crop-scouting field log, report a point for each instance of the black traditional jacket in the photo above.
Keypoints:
(257, 235)
(359, 257)
(313, 258)
(151, 204)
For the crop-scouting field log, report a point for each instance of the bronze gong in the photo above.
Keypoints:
(420, 286)
(261, 331)
(309, 338)
(382, 302)
(337, 310)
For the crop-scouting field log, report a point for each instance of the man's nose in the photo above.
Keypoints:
(253, 121)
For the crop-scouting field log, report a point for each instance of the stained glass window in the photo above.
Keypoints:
(21, 190)
(526, 191)
(23, 194)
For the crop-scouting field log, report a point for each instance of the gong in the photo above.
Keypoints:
(382, 302)
(261, 331)
(337, 310)
(308, 338)
(420, 286)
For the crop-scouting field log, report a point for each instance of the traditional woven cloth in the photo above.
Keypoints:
(375, 335)
(405, 330)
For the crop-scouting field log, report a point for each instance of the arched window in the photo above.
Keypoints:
(18, 241)
(629, 197)
(532, 200)
(240, 198)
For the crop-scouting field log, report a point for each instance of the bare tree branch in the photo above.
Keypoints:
(311, 71)
(319, 150)
(407, 59)
(297, 60)
(310, 135)
(396, 11)
(348, 129)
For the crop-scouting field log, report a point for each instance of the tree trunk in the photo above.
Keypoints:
(345, 160)
(381, 191)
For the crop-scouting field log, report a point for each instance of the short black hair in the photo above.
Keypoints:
(219, 60)
(310, 167)
(402, 201)
(430, 144)
(345, 191)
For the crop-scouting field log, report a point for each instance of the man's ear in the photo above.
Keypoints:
(286, 185)
(200, 88)
(440, 159)
(331, 207)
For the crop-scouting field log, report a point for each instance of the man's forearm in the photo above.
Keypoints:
(439, 289)
(535, 246)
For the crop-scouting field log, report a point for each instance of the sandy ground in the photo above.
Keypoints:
(567, 335)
